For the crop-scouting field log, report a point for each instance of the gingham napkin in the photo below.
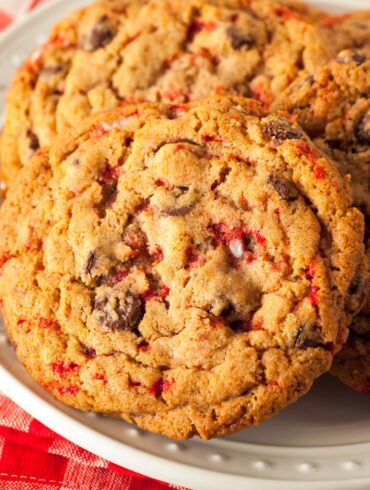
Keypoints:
(32, 457)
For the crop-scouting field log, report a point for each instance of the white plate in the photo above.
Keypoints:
(321, 442)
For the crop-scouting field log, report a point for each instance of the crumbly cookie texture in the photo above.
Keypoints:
(333, 106)
(172, 51)
(189, 268)
(346, 31)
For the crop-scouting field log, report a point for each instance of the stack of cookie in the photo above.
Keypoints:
(179, 246)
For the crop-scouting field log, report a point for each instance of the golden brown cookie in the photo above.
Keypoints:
(333, 106)
(190, 268)
(114, 52)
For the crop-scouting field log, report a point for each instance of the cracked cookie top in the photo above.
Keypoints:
(333, 106)
(114, 52)
(191, 268)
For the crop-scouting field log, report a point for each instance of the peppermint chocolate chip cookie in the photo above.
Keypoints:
(189, 268)
(333, 106)
(347, 31)
(115, 52)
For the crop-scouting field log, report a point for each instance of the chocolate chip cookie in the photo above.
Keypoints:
(191, 268)
(347, 31)
(333, 106)
(115, 52)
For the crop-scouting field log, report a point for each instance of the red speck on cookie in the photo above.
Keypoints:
(286, 13)
(313, 296)
(262, 94)
(62, 369)
(161, 386)
(157, 255)
(209, 138)
(117, 278)
(257, 325)
(133, 384)
(259, 238)
(101, 377)
(174, 94)
(308, 152)
(158, 295)
(3, 260)
(192, 257)
(310, 274)
(61, 42)
(199, 25)
(179, 109)
(319, 172)
(24, 325)
(333, 20)
(47, 323)
(271, 382)
(68, 390)
(108, 174)
(98, 132)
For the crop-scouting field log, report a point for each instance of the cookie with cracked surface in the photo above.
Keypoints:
(333, 106)
(186, 268)
(157, 50)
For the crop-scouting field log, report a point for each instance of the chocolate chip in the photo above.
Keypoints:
(280, 129)
(181, 211)
(49, 71)
(347, 57)
(237, 38)
(33, 140)
(90, 263)
(363, 130)
(116, 310)
(284, 188)
(101, 35)
(303, 342)
(358, 58)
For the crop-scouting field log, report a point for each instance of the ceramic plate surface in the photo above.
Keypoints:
(321, 442)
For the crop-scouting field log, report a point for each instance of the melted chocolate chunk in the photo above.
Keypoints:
(363, 130)
(33, 140)
(280, 129)
(351, 56)
(302, 342)
(90, 263)
(101, 35)
(181, 211)
(238, 39)
(116, 310)
(284, 188)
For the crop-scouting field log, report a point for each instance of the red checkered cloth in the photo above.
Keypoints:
(32, 457)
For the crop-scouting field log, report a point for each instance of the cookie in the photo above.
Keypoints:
(115, 52)
(333, 106)
(191, 268)
(347, 31)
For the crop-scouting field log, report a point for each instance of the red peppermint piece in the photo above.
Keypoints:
(161, 386)
(47, 323)
(68, 390)
(62, 369)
